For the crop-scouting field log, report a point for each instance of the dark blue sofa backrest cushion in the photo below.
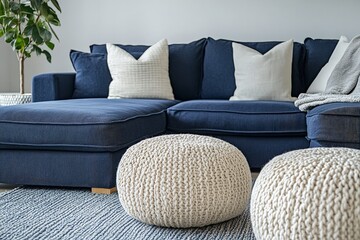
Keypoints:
(219, 79)
(185, 65)
(318, 52)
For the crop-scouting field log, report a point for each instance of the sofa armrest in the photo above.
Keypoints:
(52, 86)
(334, 125)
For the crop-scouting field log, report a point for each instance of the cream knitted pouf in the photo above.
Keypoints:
(183, 181)
(308, 194)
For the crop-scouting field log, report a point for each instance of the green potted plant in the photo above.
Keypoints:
(27, 25)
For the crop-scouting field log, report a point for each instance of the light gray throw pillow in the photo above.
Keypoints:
(263, 76)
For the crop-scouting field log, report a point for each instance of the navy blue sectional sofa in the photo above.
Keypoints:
(74, 137)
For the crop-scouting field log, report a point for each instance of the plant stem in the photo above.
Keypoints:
(21, 65)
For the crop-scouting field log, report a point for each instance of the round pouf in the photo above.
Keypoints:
(308, 194)
(183, 180)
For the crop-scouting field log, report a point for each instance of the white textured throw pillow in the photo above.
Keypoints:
(319, 83)
(147, 77)
(263, 77)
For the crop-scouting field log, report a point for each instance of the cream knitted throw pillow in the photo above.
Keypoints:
(308, 194)
(146, 77)
(183, 181)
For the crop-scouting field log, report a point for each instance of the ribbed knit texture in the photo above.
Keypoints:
(77, 214)
(8, 99)
(308, 194)
(183, 181)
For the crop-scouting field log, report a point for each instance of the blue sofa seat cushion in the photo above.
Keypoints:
(219, 79)
(247, 118)
(82, 124)
(185, 65)
(334, 125)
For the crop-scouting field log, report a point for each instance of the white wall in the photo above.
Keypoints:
(144, 22)
(4, 68)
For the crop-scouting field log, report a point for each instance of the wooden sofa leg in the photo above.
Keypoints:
(103, 190)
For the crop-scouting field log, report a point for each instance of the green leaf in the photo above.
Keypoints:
(48, 56)
(27, 41)
(56, 5)
(14, 7)
(36, 4)
(50, 45)
(10, 22)
(27, 54)
(1, 33)
(36, 36)
(37, 50)
(19, 43)
(53, 32)
(26, 9)
(28, 30)
(44, 10)
(9, 36)
(6, 5)
(53, 18)
(2, 10)
(31, 17)
(45, 34)
(11, 26)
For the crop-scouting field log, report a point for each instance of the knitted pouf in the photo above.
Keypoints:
(308, 194)
(183, 181)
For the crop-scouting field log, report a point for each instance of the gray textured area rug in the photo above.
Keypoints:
(48, 213)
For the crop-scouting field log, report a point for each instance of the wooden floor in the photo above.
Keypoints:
(7, 187)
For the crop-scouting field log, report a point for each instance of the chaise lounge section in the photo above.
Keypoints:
(76, 142)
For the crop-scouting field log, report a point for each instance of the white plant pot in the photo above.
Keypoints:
(7, 99)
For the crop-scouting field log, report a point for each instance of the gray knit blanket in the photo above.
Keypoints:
(343, 84)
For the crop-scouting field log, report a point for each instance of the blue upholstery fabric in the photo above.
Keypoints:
(335, 124)
(92, 75)
(185, 65)
(246, 118)
(219, 80)
(52, 86)
(82, 124)
(318, 52)
(316, 143)
(260, 150)
(59, 168)
(135, 50)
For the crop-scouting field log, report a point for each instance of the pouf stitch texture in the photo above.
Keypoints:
(183, 180)
(308, 194)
